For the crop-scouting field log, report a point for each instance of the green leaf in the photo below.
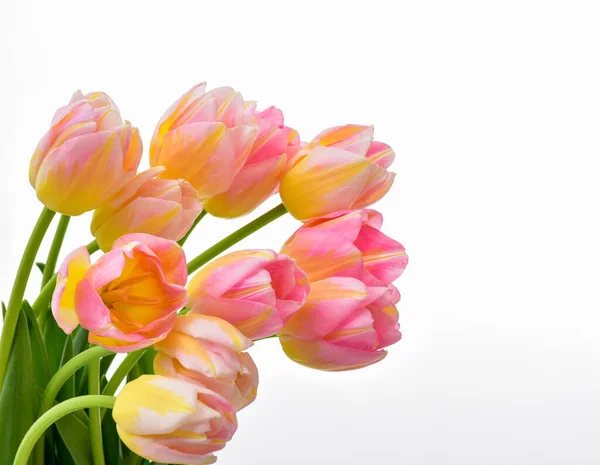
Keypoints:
(16, 406)
(40, 266)
(80, 340)
(38, 354)
(80, 343)
(55, 340)
(113, 453)
(146, 362)
(68, 389)
(3, 311)
(75, 436)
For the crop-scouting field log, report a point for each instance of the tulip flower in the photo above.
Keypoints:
(343, 325)
(165, 208)
(86, 157)
(260, 176)
(129, 298)
(205, 138)
(173, 421)
(257, 291)
(209, 350)
(341, 169)
(348, 244)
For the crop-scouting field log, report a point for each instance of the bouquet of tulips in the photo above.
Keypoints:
(173, 395)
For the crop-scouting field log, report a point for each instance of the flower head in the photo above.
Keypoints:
(129, 298)
(209, 350)
(88, 155)
(257, 291)
(341, 169)
(173, 421)
(165, 208)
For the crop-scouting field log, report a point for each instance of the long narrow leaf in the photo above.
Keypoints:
(16, 406)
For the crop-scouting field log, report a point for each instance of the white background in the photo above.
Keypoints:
(493, 108)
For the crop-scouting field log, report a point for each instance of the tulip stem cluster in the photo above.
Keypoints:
(18, 291)
(57, 412)
(236, 237)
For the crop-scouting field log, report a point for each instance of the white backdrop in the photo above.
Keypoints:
(493, 108)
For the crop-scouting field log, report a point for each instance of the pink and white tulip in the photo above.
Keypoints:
(343, 325)
(205, 138)
(348, 244)
(170, 420)
(129, 298)
(343, 168)
(165, 208)
(209, 350)
(87, 156)
(260, 176)
(257, 291)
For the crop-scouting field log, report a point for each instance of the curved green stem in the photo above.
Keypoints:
(235, 237)
(58, 381)
(185, 238)
(18, 291)
(121, 372)
(95, 413)
(57, 242)
(93, 247)
(66, 371)
(54, 414)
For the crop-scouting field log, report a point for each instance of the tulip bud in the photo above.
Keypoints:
(162, 207)
(173, 421)
(87, 156)
(129, 298)
(342, 326)
(209, 350)
(205, 138)
(257, 291)
(341, 169)
(260, 176)
(348, 244)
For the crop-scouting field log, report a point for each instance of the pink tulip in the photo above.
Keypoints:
(209, 350)
(129, 298)
(344, 325)
(257, 291)
(341, 169)
(87, 156)
(205, 138)
(173, 421)
(162, 207)
(260, 176)
(348, 244)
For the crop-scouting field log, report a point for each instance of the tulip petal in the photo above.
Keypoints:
(326, 356)
(329, 303)
(326, 180)
(70, 274)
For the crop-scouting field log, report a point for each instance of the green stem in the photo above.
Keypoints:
(235, 237)
(42, 303)
(132, 459)
(95, 413)
(53, 415)
(66, 371)
(185, 238)
(93, 247)
(121, 372)
(18, 291)
(57, 242)
(58, 381)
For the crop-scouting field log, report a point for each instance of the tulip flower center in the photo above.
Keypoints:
(136, 298)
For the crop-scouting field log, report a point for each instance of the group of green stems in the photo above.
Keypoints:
(97, 402)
